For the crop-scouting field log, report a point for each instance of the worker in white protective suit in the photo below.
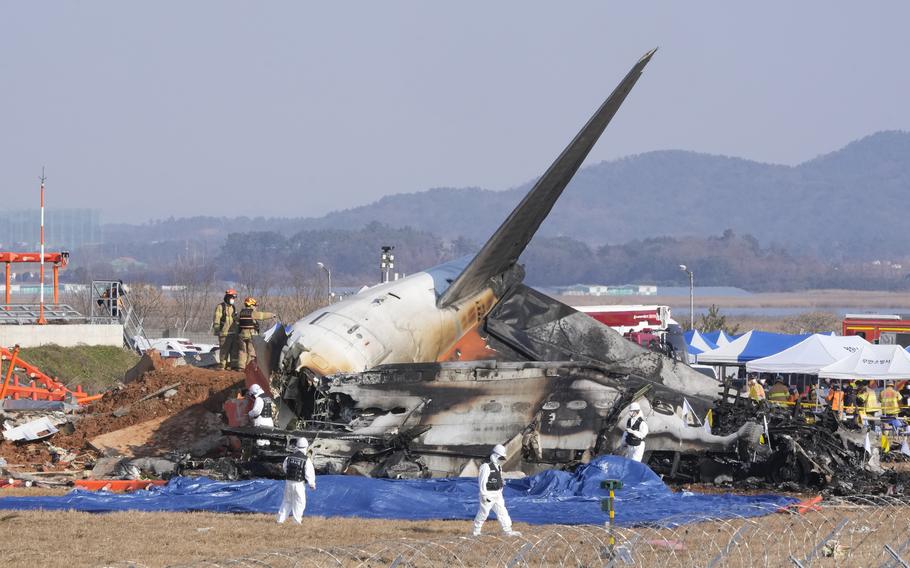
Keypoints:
(298, 472)
(490, 483)
(261, 413)
(633, 438)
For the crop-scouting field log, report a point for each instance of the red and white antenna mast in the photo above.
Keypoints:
(41, 320)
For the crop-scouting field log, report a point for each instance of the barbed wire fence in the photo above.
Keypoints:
(857, 531)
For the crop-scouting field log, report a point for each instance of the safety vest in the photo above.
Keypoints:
(494, 480)
(890, 400)
(245, 320)
(836, 398)
(296, 468)
(849, 395)
(224, 321)
(871, 401)
(756, 392)
(266, 407)
(778, 395)
(632, 439)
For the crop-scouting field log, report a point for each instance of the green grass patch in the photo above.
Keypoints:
(94, 367)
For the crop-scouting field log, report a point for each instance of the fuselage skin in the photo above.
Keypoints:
(395, 322)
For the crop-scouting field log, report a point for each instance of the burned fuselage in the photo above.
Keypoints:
(437, 367)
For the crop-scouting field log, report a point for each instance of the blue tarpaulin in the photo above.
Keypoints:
(550, 497)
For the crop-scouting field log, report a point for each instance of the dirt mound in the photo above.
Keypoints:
(200, 390)
(147, 427)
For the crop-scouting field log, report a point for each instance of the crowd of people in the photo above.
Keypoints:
(857, 400)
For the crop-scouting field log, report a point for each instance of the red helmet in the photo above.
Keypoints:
(230, 292)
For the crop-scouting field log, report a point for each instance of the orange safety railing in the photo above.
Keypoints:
(40, 386)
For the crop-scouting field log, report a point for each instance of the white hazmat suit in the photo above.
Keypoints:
(490, 484)
(294, 501)
(633, 438)
(259, 414)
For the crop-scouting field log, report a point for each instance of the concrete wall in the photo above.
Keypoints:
(65, 335)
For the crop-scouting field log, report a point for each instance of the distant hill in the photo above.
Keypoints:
(849, 203)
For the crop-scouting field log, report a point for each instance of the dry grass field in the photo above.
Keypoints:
(856, 534)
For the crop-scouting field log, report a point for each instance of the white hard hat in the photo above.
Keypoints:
(499, 450)
(256, 390)
(634, 407)
(302, 444)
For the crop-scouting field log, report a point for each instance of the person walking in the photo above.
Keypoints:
(299, 472)
(490, 484)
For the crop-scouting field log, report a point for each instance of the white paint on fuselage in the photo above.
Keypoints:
(395, 322)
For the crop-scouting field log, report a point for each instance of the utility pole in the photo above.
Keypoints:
(685, 269)
(328, 274)
(41, 320)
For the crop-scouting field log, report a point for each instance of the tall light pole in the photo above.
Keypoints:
(386, 263)
(685, 269)
(328, 274)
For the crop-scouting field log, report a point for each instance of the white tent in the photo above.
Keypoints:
(748, 347)
(809, 355)
(880, 362)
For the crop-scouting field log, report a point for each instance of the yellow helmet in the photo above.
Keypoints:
(249, 302)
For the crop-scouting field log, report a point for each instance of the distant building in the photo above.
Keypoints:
(602, 290)
(64, 229)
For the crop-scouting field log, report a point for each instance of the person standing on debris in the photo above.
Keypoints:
(298, 472)
(633, 439)
(225, 327)
(248, 326)
(261, 413)
(490, 483)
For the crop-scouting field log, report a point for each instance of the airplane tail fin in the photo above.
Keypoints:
(502, 250)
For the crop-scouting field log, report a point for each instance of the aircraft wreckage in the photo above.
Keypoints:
(420, 376)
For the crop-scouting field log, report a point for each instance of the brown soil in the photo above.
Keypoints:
(203, 388)
(201, 391)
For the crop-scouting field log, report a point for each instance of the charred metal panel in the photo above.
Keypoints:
(545, 329)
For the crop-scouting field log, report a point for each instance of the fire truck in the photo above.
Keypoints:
(886, 329)
(652, 327)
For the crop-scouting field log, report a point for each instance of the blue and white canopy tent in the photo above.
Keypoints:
(696, 343)
(719, 338)
(750, 346)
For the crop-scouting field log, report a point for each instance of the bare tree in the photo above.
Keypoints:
(811, 322)
(194, 294)
(148, 301)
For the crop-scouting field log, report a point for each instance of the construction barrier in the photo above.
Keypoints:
(39, 386)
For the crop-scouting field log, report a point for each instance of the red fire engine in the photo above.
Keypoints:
(887, 329)
(625, 319)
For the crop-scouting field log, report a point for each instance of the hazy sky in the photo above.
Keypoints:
(296, 109)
